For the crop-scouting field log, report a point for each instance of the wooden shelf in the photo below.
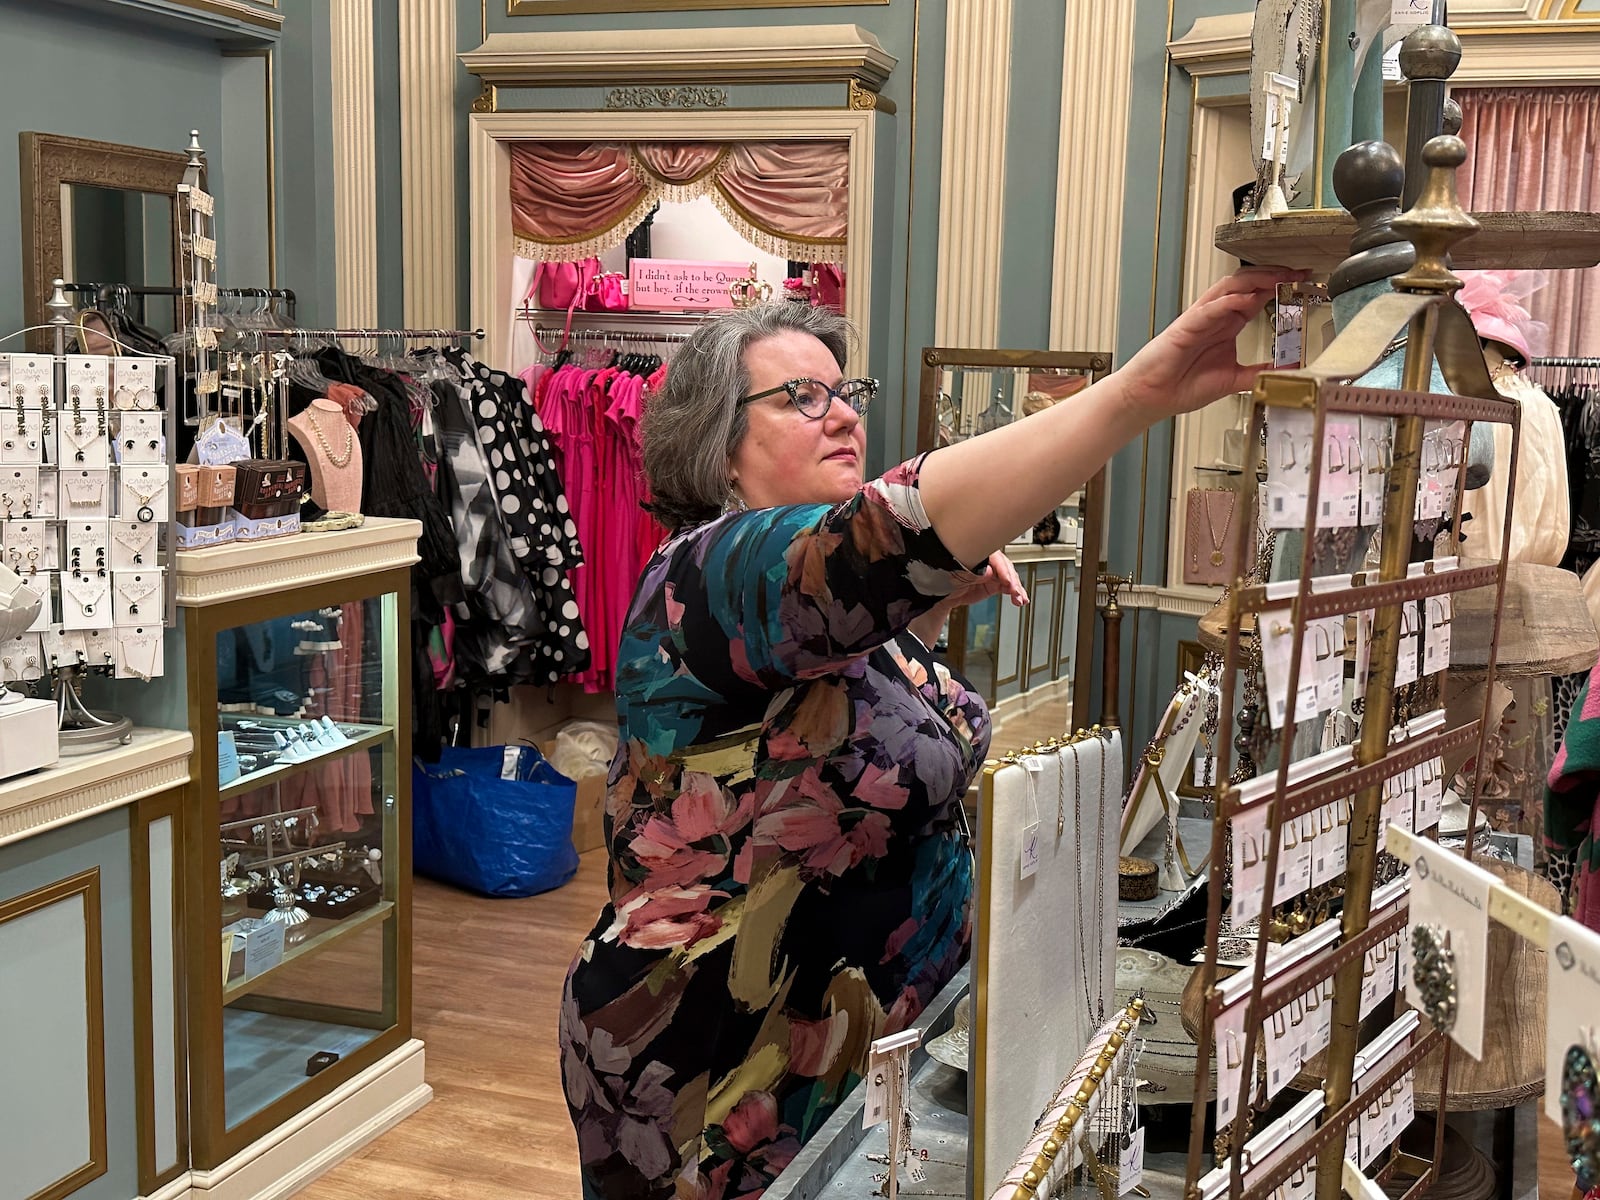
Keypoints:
(369, 736)
(333, 932)
(1318, 240)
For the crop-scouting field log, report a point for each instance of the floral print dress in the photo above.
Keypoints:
(788, 875)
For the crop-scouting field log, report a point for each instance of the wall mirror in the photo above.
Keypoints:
(97, 212)
(1000, 651)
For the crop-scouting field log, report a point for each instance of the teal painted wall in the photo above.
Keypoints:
(1154, 206)
(139, 72)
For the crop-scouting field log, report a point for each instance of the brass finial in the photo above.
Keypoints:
(1368, 179)
(1436, 222)
(1452, 116)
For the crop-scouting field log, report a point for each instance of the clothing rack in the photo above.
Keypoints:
(605, 336)
(404, 334)
(1582, 363)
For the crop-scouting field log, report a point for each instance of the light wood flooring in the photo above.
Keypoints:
(488, 977)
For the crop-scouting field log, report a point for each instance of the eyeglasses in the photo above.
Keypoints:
(813, 398)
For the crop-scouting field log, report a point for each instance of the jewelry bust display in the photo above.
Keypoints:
(334, 452)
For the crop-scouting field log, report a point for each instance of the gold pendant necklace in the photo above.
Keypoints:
(1217, 555)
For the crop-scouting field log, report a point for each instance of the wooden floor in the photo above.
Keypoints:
(488, 977)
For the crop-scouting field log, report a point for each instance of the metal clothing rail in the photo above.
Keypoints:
(406, 334)
(1587, 363)
(611, 336)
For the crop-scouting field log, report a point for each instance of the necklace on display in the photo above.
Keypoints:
(337, 461)
(1217, 555)
(145, 490)
(85, 488)
(138, 653)
(134, 590)
(86, 591)
(81, 440)
(137, 542)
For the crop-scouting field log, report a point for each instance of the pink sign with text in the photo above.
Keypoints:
(678, 285)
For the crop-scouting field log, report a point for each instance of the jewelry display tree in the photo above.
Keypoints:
(85, 481)
(1353, 475)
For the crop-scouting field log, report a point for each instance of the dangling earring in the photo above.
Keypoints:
(734, 503)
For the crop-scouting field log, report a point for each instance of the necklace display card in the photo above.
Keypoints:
(82, 494)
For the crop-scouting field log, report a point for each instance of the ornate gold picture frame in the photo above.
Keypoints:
(550, 8)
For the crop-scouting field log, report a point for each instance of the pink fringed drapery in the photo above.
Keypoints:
(573, 199)
(1531, 149)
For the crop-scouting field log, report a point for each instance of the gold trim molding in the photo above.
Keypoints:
(87, 885)
(249, 14)
(780, 54)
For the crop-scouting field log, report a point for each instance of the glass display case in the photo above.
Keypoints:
(298, 840)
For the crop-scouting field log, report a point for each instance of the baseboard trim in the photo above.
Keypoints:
(319, 1138)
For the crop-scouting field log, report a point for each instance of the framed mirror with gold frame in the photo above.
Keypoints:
(963, 393)
(93, 209)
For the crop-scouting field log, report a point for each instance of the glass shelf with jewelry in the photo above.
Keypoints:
(299, 702)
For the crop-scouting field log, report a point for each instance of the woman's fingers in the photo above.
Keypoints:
(1250, 279)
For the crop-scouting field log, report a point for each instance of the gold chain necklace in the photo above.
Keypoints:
(349, 441)
(1217, 555)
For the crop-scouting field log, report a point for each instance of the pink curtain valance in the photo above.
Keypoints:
(1531, 149)
(573, 199)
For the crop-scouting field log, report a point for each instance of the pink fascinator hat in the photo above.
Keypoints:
(1495, 300)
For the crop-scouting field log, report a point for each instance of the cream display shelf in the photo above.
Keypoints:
(1319, 240)
(154, 761)
(221, 574)
(333, 931)
(362, 737)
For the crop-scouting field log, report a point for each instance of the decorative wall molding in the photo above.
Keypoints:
(1090, 174)
(488, 147)
(972, 167)
(1215, 45)
(227, 16)
(156, 761)
(1507, 42)
(225, 573)
(689, 95)
(1179, 601)
(428, 211)
(355, 164)
(604, 58)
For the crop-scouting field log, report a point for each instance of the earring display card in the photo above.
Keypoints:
(1287, 490)
(1378, 974)
(1339, 494)
(1430, 794)
(141, 438)
(19, 492)
(64, 647)
(1377, 456)
(100, 647)
(1229, 1027)
(88, 549)
(27, 548)
(1436, 645)
(1452, 894)
(22, 437)
(1284, 1057)
(1249, 864)
(1573, 963)
(1296, 846)
(134, 380)
(33, 380)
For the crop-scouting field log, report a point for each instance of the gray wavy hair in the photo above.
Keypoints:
(693, 425)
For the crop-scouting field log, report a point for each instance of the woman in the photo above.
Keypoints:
(787, 871)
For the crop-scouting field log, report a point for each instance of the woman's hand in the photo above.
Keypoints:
(1194, 361)
(1001, 579)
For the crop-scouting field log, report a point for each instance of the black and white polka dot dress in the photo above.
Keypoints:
(543, 540)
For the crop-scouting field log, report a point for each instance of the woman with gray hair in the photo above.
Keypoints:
(788, 874)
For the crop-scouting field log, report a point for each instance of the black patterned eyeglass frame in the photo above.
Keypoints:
(857, 393)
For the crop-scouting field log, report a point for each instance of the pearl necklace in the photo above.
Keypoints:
(339, 463)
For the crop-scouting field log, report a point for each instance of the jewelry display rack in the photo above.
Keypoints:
(1263, 816)
(1042, 1164)
(89, 643)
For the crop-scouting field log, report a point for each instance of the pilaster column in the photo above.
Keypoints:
(1097, 74)
(972, 171)
(355, 164)
(428, 150)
